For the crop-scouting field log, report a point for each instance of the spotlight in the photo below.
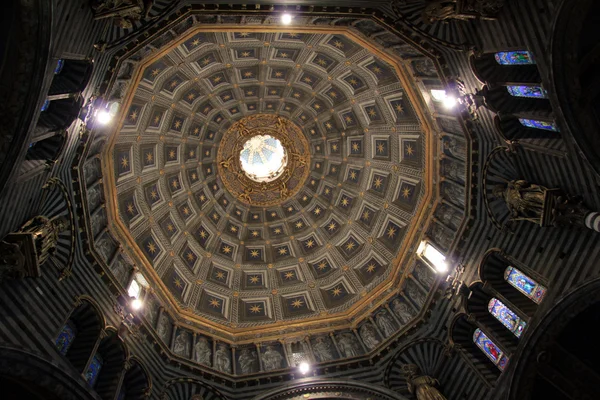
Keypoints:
(286, 19)
(449, 102)
(136, 304)
(304, 368)
(103, 117)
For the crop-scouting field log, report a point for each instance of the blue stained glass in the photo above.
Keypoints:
(490, 349)
(536, 92)
(506, 316)
(521, 57)
(532, 123)
(65, 338)
(91, 375)
(525, 284)
(45, 105)
(59, 67)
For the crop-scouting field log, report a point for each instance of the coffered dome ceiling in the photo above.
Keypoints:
(320, 239)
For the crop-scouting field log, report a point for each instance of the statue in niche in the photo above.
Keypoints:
(348, 345)
(402, 310)
(97, 221)
(449, 217)
(44, 232)
(454, 194)
(369, 336)
(123, 12)
(422, 386)
(182, 345)
(223, 359)
(441, 10)
(452, 170)
(322, 349)
(94, 197)
(525, 201)
(439, 236)
(454, 148)
(385, 323)
(163, 329)
(103, 246)
(425, 67)
(247, 360)
(272, 358)
(424, 275)
(415, 294)
(150, 311)
(120, 269)
(203, 351)
(90, 171)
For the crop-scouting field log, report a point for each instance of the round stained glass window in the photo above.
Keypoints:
(263, 158)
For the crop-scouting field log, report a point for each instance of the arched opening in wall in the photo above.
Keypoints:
(106, 366)
(70, 77)
(480, 347)
(518, 98)
(136, 383)
(515, 127)
(79, 335)
(575, 63)
(57, 115)
(562, 358)
(496, 315)
(513, 282)
(504, 67)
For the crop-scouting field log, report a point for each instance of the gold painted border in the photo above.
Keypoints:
(350, 317)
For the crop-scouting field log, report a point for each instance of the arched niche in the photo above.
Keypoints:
(500, 100)
(461, 332)
(511, 129)
(47, 149)
(136, 382)
(57, 115)
(328, 389)
(477, 305)
(88, 322)
(37, 377)
(190, 388)
(113, 355)
(428, 354)
(489, 71)
(560, 357)
(70, 76)
(492, 271)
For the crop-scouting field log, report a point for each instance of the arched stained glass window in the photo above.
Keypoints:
(59, 66)
(525, 284)
(65, 338)
(535, 92)
(536, 124)
(91, 375)
(490, 349)
(506, 316)
(521, 57)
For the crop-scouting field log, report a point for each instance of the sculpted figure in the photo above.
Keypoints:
(524, 200)
(348, 345)
(272, 358)
(182, 345)
(223, 359)
(385, 323)
(45, 234)
(203, 351)
(401, 310)
(369, 336)
(163, 329)
(123, 12)
(422, 386)
(415, 294)
(247, 360)
(440, 10)
(322, 349)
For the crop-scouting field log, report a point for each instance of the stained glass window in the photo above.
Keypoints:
(91, 375)
(45, 105)
(525, 284)
(490, 349)
(521, 57)
(533, 123)
(59, 67)
(535, 92)
(65, 338)
(506, 316)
